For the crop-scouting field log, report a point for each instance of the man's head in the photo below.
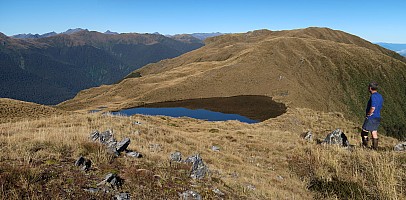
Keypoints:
(372, 87)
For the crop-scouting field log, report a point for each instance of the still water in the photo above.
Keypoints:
(247, 108)
(181, 112)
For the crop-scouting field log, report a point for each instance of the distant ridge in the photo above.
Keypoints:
(399, 48)
(200, 36)
(49, 70)
(203, 36)
(35, 36)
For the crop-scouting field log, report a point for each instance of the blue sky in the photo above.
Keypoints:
(376, 21)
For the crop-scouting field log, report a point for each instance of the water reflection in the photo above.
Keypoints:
(247, 108)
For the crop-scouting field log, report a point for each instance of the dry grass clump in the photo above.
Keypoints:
(268, 160)
(351, 174)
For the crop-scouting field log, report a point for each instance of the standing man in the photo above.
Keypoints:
(373, 116)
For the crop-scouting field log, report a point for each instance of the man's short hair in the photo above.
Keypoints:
(373, 85)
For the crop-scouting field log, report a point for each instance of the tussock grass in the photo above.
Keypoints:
(268, 160)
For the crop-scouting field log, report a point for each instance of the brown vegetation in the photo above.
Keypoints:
(13, 110)
(268, 160)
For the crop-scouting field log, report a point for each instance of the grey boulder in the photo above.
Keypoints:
(337, 137)
(199, 169)
(121, 146)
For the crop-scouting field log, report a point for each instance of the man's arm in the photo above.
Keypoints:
(371, 111)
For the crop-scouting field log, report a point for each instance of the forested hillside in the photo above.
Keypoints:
(52, 69)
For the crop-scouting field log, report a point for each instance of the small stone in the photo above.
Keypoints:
(109, 177)
(116, 182)
(134, 154)
(176, 156)
(309, 136)
(215, 148)
(190, 195)
(155, 147)
(279, 177)
(121, 146)
(80, 161)
(400, 147)
(112, 179)
(94, 135)
(122, 196)
(86, 165)
(92, 190)
(251, 187)
(218, 192)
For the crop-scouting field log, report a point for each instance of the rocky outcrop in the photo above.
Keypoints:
(114, 147)
(199, 169)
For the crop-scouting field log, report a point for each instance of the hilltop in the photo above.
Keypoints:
(317, 68)
(13, 110)
(49, 70)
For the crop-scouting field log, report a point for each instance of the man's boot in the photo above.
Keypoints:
(364, 136)
(375, 143)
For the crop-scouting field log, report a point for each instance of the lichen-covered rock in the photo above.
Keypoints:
(122, 196)
(190, 195)
(92, 190)
(112, 180)
(94, 135)
(215, 148)
(121, 146)
(79, 161)
(400, 147)
(308, 136)
(176, 156)
(337, 137)
(218, 192)
(105, 136)
(199, 169)
(85, 163)
(134, 154)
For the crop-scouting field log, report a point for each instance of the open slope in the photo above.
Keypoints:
(315, 68)
(268, 160)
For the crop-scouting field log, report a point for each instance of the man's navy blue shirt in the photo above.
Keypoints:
(375, 100)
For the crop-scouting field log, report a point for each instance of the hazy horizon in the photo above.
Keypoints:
(375, 21)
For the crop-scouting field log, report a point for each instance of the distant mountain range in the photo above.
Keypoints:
(51, 68)
(200, 36)
(34, 36)
(399, 48)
